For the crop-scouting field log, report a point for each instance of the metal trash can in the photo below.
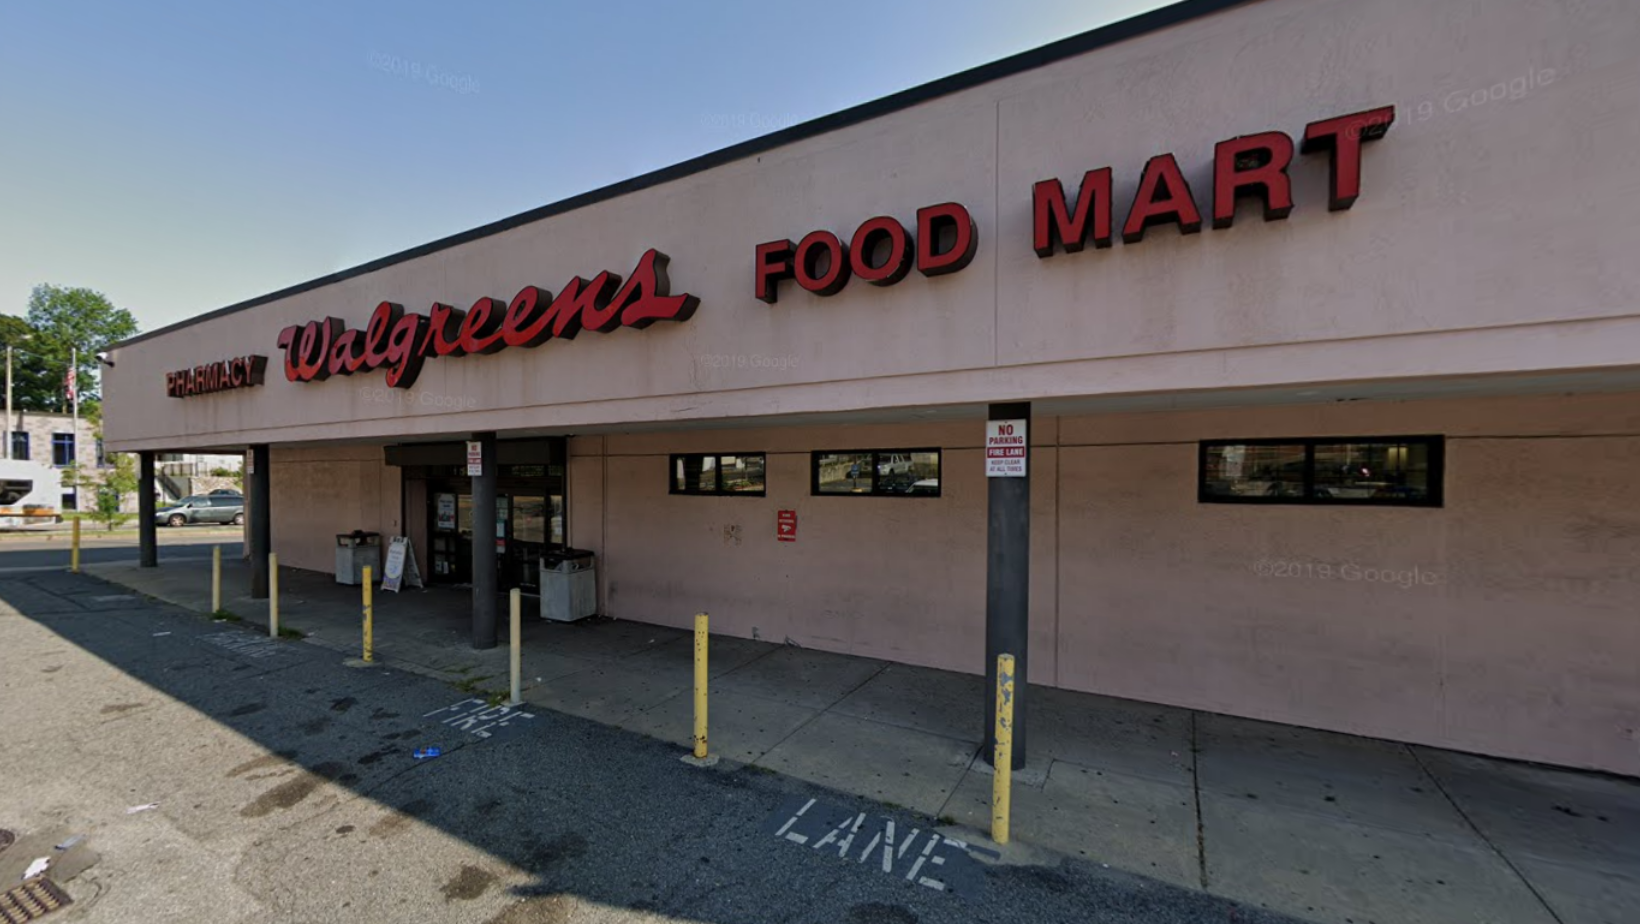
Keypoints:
(569, 585)
(354, 551)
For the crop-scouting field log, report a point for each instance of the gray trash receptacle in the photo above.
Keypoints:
(569, 585)
(354, 551)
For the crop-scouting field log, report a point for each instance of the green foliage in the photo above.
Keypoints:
(226, 616)
(118, 480)
(471, 685)
(121, 476)
(59, 320)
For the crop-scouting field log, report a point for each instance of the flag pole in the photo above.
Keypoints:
(74, 399)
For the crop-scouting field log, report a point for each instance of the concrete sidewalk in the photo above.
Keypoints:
(1321, 826)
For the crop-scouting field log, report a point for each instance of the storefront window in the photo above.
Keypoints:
(1376, 470)
(1253, 471)
(879, 472)
(530, 519)
(741, 474)
(1396, 471)
(464, 514)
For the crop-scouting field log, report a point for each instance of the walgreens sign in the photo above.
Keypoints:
(401, 341)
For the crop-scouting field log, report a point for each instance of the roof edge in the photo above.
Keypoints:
(1031, 59)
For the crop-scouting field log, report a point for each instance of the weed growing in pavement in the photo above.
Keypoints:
(226, 616)
(288, 632)
(470, 685)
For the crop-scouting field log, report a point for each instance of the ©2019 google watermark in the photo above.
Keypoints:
(1516, 87)
(1349, 572)
(744, 361)
(415, 70)
(755, 122)
(402, 397)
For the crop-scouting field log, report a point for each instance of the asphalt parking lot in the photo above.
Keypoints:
(284, 788)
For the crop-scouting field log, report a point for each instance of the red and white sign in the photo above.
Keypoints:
(475, 458)
(785, 526)
(1005, 448)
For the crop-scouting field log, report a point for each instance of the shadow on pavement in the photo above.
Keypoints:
(588, 813)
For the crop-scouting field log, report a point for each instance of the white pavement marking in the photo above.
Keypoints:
(251, 646)
(944, 864)
(792, 821)
(479, 718)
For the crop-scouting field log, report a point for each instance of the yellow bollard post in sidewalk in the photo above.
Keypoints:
(273, 595)
(369, 614)
(74, 551)
(515, 606)
(1002, 757)
(700, 686)
(216, 579)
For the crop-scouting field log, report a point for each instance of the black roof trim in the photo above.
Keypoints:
(1155, 20)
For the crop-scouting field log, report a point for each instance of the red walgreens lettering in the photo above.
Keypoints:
(401, 341)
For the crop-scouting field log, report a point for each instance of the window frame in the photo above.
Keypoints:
(27, 441)
(876, 454)
(1435, 444)
(72, 444)
(717, 468)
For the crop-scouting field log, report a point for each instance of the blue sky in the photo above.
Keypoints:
(185, 156)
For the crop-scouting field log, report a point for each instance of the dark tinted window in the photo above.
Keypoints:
(711, 473)
(1377, 470)
(877, 472)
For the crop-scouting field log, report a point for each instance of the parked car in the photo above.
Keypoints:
(203, 508)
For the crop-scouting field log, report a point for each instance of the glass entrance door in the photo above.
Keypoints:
(529, 540)
(450, 554)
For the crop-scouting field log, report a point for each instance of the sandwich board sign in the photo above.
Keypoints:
(400, 566)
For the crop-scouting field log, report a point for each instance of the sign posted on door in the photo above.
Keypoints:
(1005, 448)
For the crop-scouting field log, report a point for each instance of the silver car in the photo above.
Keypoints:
(203, 508)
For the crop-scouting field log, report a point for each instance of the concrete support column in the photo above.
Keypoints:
(260, 514)
(484, 559)
(147, 532)
(1008, 586)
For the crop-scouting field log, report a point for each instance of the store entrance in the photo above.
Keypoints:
(528, 524)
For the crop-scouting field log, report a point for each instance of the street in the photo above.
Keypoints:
(30, 551)
(283, 787)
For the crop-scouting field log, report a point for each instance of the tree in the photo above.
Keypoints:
(118, 480)
(37, 386)
(59, 321)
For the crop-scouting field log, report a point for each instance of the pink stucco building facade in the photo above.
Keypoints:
(1465, 337)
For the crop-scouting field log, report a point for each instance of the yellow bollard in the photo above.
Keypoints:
(369, 642)
(515, 601)
(700, 686)
(216, 579)
(74, 553)
(1002, 756)
(273, 595)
